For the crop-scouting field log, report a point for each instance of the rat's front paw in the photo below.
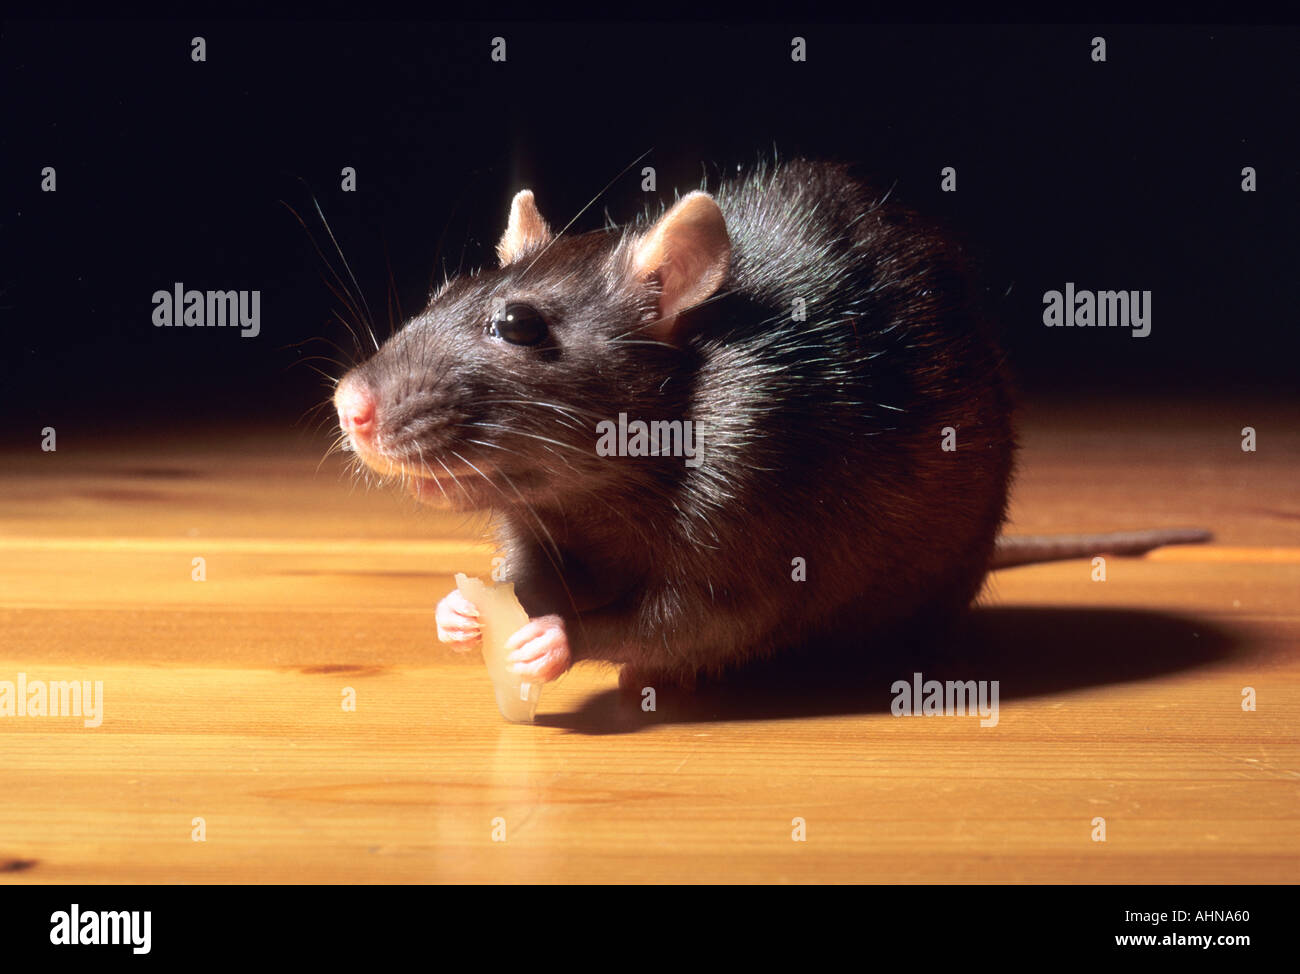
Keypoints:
(458, 622)
(540, 649)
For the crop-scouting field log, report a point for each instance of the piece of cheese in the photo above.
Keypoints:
(500, 616)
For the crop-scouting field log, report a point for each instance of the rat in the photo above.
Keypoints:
(820, 343)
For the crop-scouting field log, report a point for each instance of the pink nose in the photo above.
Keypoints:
(356, 407)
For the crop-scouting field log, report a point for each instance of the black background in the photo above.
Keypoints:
(1124, 174)
(912, 925)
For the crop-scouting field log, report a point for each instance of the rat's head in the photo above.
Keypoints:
(492, 394)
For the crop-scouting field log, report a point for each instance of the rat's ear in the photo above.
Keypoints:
(689, 253)
(525, 232)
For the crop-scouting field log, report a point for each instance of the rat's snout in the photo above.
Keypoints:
(356, 405)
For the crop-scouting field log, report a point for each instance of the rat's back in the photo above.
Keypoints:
(857, 409)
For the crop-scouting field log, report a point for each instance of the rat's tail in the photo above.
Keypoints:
(1027, 549)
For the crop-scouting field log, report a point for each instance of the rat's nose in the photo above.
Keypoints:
(356, 406)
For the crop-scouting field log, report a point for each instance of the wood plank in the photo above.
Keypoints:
(1119, 699)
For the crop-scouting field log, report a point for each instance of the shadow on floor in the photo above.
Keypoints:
(1029, 651)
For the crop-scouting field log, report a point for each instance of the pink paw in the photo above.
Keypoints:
(539, 649)
(458, 623)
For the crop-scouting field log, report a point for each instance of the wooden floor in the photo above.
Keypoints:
(222, 699)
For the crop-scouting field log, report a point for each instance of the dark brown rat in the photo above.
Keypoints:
(822, 343)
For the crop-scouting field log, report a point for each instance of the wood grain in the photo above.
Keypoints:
(1119, 699)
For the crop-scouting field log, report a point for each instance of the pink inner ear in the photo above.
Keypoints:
(690, 252)
(526, 231)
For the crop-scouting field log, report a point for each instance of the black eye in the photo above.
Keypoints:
(519, 324)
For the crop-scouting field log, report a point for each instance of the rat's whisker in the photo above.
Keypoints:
(590, 203)
(345, 296)
(549, 540)
(424, 465)
(545, 541)
(515, 431)
(328, 341)
(370, 318)
(455, 480)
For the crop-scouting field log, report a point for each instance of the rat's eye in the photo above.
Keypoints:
(519, 324)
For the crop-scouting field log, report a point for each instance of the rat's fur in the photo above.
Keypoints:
(821, 437)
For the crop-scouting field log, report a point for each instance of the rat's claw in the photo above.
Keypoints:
(539, 649)
(458, 623)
